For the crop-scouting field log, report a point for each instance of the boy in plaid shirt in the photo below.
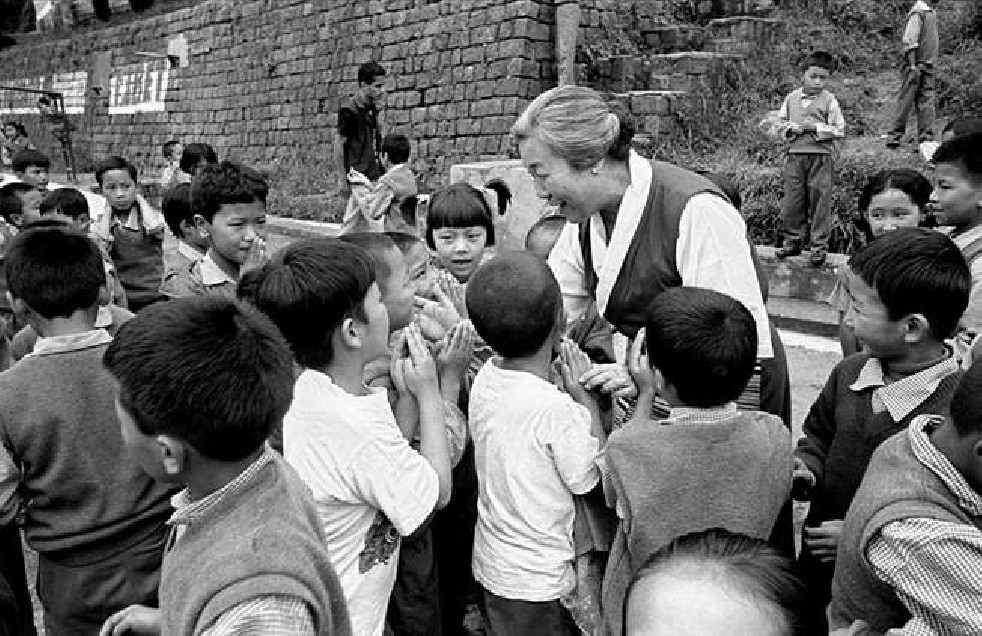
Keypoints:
(911, 550)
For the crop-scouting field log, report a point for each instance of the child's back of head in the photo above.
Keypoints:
(752, 587)
(68, 204)
(396, 148)
(213, 373)
(544, 234)
(176, 208)
(703, 343)
(323, 278)
(196, 156)
(916, 271)
(55, 271)
(515, 304)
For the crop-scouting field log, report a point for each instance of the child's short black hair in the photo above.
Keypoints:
(458, 205)
(369, 71)
(196, 153)
(19, 127)
(308, 289)
(514, 303)
(397, 148)
(703, 342)
(67, 201)
(917, 271)
(965, 152)
(821, 59)
(966, 403)
(548, 227)
(963, 126)
(377, 245)
(225, 183)
(29, 157)
(176, 207)
(169, 148)
(210, 371)
(114, 163)
(405, 241)
(55, 270)
(10, 200)
(751, 568)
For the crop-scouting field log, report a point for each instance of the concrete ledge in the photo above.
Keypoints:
(299, 228)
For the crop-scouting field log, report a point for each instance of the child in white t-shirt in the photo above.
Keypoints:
(371, 488)
(535, 447)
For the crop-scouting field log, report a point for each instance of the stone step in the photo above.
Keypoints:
(733, 46)
(653, 112)
(725, 8)
(691, 62)
(675, 38)
(761, 31)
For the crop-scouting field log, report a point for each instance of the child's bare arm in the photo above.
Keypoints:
(573, 364)
(421, 380)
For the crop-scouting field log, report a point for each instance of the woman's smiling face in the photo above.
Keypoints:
(573, 191)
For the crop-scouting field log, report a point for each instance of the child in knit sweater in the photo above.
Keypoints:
(708, 464)
(201, 382)
(811, 121)
(908, 290)
(96, 520)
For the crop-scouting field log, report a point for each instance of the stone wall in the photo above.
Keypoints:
(265, 78)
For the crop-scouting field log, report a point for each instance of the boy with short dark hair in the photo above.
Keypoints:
(31, 166)
(96, 520)
(19, 204)
(246, 552)
(370, 486)
(179, 215)
(708, 464)
(911, 547)
(358, 136)
(908, 288)
(811, 120)
(394, 188)
(229, 206)
(957, 200)
(534, 446)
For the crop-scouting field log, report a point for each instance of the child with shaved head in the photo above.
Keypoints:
(535, 446)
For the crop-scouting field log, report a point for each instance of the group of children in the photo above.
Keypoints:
(370, 433)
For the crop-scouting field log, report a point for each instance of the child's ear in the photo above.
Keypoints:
(201, 224)
(172, 454)
(350, 333)
(916, 328)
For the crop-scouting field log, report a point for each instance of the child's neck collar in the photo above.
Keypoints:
(538, 364)
(915, 362)
(218, 475)
(230, 268)
(81, 321)
(348, 375)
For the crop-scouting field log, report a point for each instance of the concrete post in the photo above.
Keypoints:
(567, 28)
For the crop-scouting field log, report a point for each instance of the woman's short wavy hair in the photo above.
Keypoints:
(578, 125)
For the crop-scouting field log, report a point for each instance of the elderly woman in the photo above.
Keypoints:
(637, 227)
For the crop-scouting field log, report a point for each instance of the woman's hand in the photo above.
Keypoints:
(613, 379)
(638, 367)
(573, 363)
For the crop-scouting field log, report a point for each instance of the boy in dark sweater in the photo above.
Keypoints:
(95, 519)
(201, 384)
(911, 547)
(707, 464)
(908, 289)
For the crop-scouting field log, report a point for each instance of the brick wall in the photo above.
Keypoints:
(266, 76)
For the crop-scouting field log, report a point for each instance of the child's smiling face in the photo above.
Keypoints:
(460, 249)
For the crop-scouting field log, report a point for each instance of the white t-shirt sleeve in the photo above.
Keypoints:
(574, 449)
(566, 263)
(392, 477)
(712, 252)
